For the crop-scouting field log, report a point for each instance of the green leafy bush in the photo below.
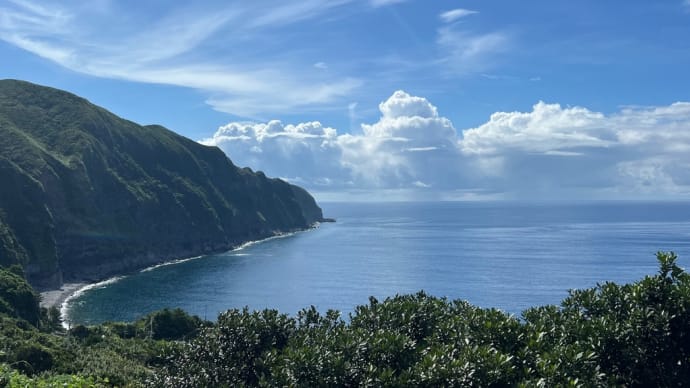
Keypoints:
(609, 335)
(32, 358)
(12, 379)
(169, 324)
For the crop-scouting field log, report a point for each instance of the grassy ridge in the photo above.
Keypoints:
(87, 194)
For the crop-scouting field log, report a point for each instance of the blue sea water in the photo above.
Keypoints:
(509, 255)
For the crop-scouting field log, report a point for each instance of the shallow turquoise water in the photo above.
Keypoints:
(496, 254)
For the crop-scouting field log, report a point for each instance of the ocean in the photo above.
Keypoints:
(508, 255)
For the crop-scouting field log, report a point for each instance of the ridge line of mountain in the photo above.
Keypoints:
(86, 194)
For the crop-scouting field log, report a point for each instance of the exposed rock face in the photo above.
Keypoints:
(85, 194)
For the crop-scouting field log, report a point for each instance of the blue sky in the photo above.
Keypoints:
(390, 99)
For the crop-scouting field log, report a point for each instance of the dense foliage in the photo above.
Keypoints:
(17, 298)
(86, 194)
(634, 335)
(610, 335)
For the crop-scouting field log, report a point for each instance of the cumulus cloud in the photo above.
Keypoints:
(401, 150)
(550, 151)
(665, 126)
(547, 129)
(552, 129)
(305, 152)
(639, 150)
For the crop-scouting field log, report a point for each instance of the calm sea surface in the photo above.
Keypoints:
(508, 255)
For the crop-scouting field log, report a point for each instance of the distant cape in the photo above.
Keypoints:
(85, 194)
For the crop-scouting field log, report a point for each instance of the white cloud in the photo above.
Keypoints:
(303, 151)
(401, 150)
(666, 127)
(170, 50)
(637, 151)
(551, 128)
(550, 151)
(255, 60)
(401, 104)
(547, 129)
(414, 120)
(408, 144)
(455, 14)
(281, 13)
(37, 9)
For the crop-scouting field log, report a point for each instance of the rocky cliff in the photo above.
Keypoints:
(85, 194)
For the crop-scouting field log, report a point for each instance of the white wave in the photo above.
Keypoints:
(275, 237)
(64, 307)
(171, 262)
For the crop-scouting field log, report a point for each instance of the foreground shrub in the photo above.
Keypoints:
(12, 379)
(32, 358)
(634, 335)
(169, 324)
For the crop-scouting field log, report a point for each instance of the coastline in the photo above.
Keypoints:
(60, 298)
(55, 298)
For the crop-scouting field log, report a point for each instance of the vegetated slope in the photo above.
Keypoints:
(86, 194)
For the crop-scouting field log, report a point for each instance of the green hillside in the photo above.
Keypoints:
(85, 194)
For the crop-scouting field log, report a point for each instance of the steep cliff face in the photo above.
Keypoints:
(86, 194)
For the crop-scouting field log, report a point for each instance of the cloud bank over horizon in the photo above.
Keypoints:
(414, 152)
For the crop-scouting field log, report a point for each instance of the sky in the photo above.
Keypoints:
(390, 99)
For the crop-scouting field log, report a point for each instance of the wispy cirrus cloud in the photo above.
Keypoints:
(465, 52)
(455, 14)
(293, 12)
(180, 48)
(251, 60)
